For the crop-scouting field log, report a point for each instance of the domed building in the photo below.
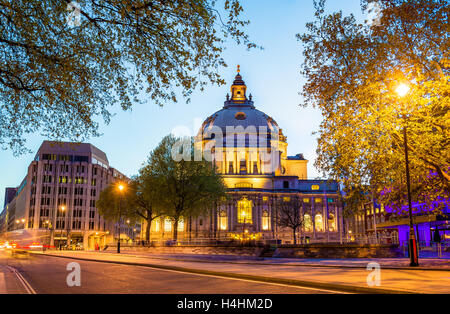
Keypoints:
(269, 191)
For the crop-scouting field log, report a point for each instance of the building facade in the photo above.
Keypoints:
(375, 222)
(249, 150)
(56, 202)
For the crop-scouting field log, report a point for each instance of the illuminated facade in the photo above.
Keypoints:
(56, 201)
(249, 149)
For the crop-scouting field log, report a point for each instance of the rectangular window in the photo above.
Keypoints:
(230, 167)
(181, 224)
(265, 222)
(255, 167)
(245, 212)
(156, 225)
(223, 223)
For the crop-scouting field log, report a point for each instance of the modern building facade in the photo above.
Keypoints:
(56, 202)
(249, 150)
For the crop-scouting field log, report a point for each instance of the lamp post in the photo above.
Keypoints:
(402, 90)
(47, 223)
(244, 214)
(63, 208)
(120, 187)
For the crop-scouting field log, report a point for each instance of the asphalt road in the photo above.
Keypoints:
(47, 275)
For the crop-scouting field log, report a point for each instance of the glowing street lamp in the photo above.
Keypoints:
(403, 90)
(62, 208)
(120, 187)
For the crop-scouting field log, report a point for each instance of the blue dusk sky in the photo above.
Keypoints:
(272, 76)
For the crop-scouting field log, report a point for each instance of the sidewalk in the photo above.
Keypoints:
(348, 273)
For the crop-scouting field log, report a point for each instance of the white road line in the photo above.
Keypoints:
(23, 281)
(3, 289)
(247, 280)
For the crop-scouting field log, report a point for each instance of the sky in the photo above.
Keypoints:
(272, 76)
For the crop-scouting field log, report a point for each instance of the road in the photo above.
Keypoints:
(47, 275)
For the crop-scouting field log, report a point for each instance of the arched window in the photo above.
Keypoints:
(156, 225)
(167, 225)
(265, 221)
(245, 211)
(318, 220)
(331, 223)
(223, 220)
(308, 223)
(181, 224)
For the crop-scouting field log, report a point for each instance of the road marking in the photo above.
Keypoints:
(22, 280)
(247, 280)
(3, 289)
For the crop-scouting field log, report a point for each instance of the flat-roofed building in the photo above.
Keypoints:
(56, 202)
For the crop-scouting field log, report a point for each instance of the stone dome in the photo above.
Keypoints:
(239, 111)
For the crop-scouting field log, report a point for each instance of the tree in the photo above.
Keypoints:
(64, 64)
(288, 215)
(186, 188)
(353, 71)
(137, 201)
(114, 204)
(144, 198)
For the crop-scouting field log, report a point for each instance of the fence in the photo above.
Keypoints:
(429, 249)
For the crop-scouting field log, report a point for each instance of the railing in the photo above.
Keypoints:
(429, 249)
(374, 240)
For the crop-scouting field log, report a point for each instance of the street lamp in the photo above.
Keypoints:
(47, 223)
(120, 187)
(403, 90)
(63, 208)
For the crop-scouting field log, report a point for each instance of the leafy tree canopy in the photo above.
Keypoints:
(65, 64)
(185, 188)
(353, 71)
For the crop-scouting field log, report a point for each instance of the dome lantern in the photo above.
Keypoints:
(238, 89)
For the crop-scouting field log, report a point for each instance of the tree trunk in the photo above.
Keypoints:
(147, 230)
(175, 229)
(295, 236)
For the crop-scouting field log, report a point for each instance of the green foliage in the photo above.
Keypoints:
(137, 201)
(353, 71)
(184, 188)
(114, 204)
(58, 79)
